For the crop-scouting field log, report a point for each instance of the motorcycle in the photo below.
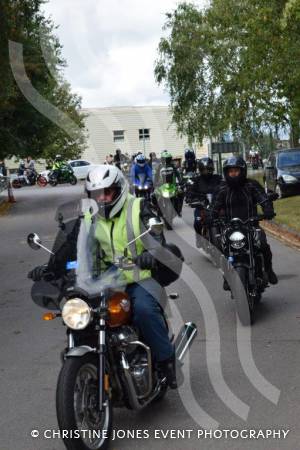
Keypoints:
(240, 244)
(106, 363)
(62, 175)
(143, 187)
(166, 197)
(207, 238)
(27, 178)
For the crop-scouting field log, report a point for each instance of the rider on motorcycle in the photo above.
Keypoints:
(140, 167)
(189, 164)
(121, 218)
(168, 173)
(58, 165)
(206, 183)
(239, 197)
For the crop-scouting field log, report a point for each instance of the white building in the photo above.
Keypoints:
(132, 129)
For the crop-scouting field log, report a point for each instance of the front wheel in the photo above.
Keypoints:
(243, 309)
(42, 181)
(77, 405)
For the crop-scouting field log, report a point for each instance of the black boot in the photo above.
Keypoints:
(272, 276)
(167, 368)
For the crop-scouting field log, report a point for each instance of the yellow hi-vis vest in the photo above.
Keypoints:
(114, 234)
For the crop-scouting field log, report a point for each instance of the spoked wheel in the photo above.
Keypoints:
(42, 181)
(77, 405)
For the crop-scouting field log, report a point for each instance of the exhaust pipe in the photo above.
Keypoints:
(184, 339)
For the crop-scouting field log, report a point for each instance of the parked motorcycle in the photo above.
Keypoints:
(28, 178)
(61, 176)
(143, 186)
(106, 363)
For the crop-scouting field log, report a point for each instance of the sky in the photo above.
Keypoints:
(110, 47)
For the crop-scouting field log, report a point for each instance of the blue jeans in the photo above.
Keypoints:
(147, 316)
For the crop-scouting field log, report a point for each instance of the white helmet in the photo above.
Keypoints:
(104, 177)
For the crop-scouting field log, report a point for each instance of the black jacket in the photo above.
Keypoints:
(204, 185)
(241, 202)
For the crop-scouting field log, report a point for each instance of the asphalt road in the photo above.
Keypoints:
(236, 381)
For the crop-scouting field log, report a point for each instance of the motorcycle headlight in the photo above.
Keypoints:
(237, 240)
(166, 194)
(76, 314)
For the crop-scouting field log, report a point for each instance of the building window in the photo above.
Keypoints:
(118, 135)
(144, 134)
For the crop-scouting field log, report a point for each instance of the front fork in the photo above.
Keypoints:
(101, 363)
(101, 359)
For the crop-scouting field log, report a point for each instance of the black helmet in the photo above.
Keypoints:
(235, 162)
(206, 167)
(189, 154)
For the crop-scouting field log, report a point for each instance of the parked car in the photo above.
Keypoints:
(80, 167)
(282, 172)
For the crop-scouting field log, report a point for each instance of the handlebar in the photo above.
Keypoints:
(258, 218)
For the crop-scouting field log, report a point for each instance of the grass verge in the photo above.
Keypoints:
(287, 209)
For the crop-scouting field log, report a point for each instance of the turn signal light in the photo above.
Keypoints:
(119, 309)
(49, 316)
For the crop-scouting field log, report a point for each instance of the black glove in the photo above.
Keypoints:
(269, 213)
(37, 273)
(145, 261)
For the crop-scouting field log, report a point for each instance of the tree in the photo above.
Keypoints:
(234, 65)
(24, 128)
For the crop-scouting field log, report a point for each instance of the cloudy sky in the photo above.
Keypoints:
(110, 47)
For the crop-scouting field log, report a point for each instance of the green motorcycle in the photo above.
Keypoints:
(62, 175)
(166, 198)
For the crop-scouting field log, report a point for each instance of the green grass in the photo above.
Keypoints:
(287, 209)
(288, 212)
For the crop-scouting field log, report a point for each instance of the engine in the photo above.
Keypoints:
(136, 356)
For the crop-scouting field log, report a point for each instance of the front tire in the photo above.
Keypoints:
(76, 405)
(42, 181)
(242, 272)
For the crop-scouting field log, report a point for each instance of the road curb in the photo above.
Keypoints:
(283, 234)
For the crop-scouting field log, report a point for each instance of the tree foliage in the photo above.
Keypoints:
(23, 129)
(235, 65)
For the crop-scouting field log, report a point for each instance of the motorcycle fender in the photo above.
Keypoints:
(80, 351)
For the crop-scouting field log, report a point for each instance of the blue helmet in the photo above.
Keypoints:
(140, 160)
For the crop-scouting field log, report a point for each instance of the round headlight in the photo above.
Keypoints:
(76, 314)
(237, 239)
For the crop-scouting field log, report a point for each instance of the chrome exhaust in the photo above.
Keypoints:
(134, 400)
(184, 339)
